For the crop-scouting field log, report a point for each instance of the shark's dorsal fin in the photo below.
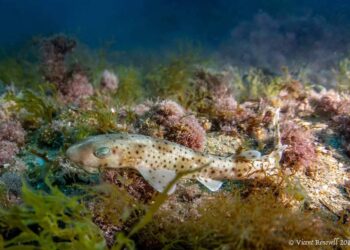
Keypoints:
(212, 185)
(250, 155)
(158, 178)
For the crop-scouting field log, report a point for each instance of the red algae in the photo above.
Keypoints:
(8, 151)
(169, 120)
(12, 136)
(12, 131)
(300, 152)
(188, 132)
(109, 81)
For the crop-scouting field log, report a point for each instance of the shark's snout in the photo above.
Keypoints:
(82, 156)
(78, 153)
(71, 154)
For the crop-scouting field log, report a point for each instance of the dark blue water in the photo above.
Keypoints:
(152, 23)
(264, 33)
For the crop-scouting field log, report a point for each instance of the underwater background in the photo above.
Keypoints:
(264, 33)
(260, 86)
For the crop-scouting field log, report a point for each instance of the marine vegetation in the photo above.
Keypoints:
(300, 151)
(181, 152)
(167, 119)
(233, 222)
(12, 136)
(48, 221)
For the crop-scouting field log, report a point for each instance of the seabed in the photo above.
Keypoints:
(63, 95)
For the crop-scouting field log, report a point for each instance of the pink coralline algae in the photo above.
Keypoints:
(225, 108)
(336, 107)
(73, 85)
(188, 132)
(342, 125)
(77, 87)
(12, 135)
(217, 101)
(8, 150)
(331, 103)
(168, 111)
(142, 108)
(170, 120)
(217, 84)
(109, 81)
(242, 118)
(55, 50)
(294, 100)
(300, 152)
(12, 131)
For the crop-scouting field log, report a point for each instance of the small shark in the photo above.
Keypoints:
(160, 161)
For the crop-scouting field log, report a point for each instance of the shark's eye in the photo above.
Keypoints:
(102, 152)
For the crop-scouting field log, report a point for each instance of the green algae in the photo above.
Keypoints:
(130, 89)
(39, 108)
(231, 221)
(172, 79)
(50, 138)
(48, 221)
(342, 75)
(19, 72)
(255, 84)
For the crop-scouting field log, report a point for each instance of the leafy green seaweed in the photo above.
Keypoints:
(130, 88)
(37, 105)
(49, 221)
(255, 84)
(19, 72)
(172, 79)
(342, 74)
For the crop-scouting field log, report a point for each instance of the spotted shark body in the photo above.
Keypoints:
(159, 161)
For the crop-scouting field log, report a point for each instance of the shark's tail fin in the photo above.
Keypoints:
(279, 147)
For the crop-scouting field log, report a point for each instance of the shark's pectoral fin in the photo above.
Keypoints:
(212, 185)
(158, 178)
